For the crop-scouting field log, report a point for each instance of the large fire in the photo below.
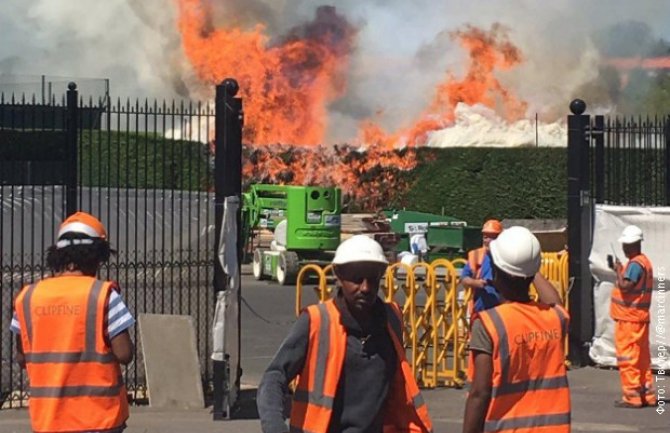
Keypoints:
(488, 52)
(287, 85)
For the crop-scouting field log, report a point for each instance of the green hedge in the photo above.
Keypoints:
(478, 183)
(142, 160)
(468, 183)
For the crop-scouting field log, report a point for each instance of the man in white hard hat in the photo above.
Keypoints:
(520, 379)
(629, 308)
(348, 356)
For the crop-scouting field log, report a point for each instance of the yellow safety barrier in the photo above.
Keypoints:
(320, 289)
(435, 309)
(402, 292)
(449, 319)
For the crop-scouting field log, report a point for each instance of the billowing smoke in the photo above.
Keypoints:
(403, 49)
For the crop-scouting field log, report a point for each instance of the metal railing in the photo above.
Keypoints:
(145, 168)
(630, 160)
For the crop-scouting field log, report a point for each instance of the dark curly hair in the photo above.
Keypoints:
(86, 258)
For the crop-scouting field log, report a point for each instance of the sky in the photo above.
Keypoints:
(403, 48)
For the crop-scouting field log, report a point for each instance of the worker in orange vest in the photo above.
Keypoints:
(478, 271)
(520, 381)
(72, 335)
(477, 275)
(629, 308)
(349, 359)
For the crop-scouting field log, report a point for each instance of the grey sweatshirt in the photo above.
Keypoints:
(366, 376)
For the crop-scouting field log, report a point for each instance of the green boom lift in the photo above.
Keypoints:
(306, 224)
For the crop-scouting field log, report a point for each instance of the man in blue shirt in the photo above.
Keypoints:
(478, 272)
(477, 275)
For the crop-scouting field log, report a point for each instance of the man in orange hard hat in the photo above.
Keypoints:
(478, 272)
(72, 336)
(477, 275)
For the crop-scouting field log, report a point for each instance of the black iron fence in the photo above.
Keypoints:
(616, 161)
(630, 160)
(146, 169)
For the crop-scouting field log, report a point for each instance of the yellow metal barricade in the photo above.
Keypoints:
(424, 359)
(328, 289)
(320, 289)
(402, 292)
(555, 269)
(450, 321)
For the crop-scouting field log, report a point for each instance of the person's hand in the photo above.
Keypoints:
(480, 284)
(618, 267)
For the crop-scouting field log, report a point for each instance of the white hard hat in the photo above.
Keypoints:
(517, 252)
(359, 248)
(631, 234)
(409, 259)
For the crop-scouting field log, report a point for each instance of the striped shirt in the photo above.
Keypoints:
(118, 317)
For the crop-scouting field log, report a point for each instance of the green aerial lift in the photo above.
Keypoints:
(306, 224)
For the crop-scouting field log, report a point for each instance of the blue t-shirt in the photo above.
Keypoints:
(633, 272)
(488, 297)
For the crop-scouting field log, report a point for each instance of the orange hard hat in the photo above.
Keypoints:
(492, 226)
(83, 223)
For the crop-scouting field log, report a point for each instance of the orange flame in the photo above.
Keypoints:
(488, 52)
(286, 86)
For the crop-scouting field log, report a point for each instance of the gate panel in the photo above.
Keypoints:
(146, 172)
(145, 169)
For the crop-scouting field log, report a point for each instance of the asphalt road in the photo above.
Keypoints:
(268, 312)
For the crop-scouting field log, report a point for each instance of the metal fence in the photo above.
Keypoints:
(611, 160)
(629, 161)
(146, 169)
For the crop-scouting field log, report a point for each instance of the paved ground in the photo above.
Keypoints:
(268, 314)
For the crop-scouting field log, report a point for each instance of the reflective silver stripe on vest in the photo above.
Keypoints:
(530, 385)
(527, 422)
(418, 401)
(503, 343)
(69, 357)
(92, 316)
(317, 397)
(305, 397)
(640, 305)
(78, 390)
(562, 319)
(75, 391)
(26, 312)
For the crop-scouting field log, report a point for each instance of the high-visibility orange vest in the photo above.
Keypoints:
(633, 305)
(404, 411)
(475, 260)
(76, 383)
(530, 387)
